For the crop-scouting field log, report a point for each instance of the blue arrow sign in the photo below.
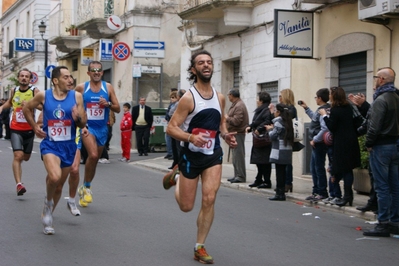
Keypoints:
(149, 45)
(49, 69)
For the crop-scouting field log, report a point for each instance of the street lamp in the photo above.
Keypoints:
(42, 31)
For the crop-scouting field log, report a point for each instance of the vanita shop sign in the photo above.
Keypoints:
(293, 33)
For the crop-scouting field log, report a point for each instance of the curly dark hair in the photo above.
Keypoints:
(191, 75)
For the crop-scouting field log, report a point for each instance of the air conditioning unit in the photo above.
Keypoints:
(378, 9)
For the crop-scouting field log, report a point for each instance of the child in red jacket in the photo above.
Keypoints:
(126, 133)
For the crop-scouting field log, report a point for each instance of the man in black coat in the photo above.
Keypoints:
(142, 122)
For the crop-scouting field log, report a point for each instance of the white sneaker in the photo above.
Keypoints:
(123, 159)
(104, 161)
(47, 218)
(73, 209)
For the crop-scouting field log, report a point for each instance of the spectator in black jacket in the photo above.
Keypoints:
(363, 106)
(381, 142)
(142, 123)
(260, 155)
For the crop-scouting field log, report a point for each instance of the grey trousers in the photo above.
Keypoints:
(239, 158)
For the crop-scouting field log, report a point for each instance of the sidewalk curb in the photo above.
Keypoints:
(297, 198)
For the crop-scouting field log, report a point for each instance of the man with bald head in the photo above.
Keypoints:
(381, 142)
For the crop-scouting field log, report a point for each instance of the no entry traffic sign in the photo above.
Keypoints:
(120, 51)
(35, 78)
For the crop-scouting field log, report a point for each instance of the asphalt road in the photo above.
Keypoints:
(134, 221)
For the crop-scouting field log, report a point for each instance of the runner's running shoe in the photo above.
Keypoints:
(85, 194)
(20, 189)
(83, 203)
(169, 179)
(202, 256)
(47, 218)
(73, 209)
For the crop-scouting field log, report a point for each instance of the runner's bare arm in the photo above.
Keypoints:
(112, 97)
(40, 106)
(80, 117)
(39, 120)
(29, 109)
(80, 88)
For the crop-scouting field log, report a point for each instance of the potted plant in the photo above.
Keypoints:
(361, 182)
(73, 31)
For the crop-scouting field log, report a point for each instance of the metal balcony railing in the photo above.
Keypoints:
(59, 21)
(196, 3)
(91, 9)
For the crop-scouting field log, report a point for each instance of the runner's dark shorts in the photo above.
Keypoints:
(192, 164)
(22, 141)
(65, 150)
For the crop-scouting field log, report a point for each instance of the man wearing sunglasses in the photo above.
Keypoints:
(381, 142)
(99, 98)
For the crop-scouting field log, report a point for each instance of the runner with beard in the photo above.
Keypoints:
(99, 98)
(22, 135)
(197, 123)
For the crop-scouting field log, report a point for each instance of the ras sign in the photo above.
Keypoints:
(24, 45)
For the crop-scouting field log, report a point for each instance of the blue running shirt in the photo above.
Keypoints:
(97, 115)
(57, 117)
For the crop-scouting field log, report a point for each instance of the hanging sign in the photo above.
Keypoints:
(106, 49)
(87, 55)
(293, 33)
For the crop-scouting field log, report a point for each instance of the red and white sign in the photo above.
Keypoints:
(121, 51)
(114, 22)
(35, 78)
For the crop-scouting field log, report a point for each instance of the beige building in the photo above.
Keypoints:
(239, 34)
(146, 34)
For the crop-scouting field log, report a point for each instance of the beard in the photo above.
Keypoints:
(23, 83)
(204, 79)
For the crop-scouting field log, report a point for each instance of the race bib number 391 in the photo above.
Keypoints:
(59, 130)
(95, 111)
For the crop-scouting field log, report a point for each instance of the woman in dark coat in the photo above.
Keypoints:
(260, 156)
(346, 155)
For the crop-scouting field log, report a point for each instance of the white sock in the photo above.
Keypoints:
(198, 244)
(176, 177)
(72, 200)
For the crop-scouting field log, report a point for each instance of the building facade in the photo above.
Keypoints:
(20, 19)
(150, 70)
(352, 39)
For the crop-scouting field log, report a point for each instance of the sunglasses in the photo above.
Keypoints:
(96, 70)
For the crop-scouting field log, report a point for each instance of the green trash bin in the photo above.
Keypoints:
(157, 137)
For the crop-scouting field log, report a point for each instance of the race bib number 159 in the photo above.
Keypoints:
(95, 111)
